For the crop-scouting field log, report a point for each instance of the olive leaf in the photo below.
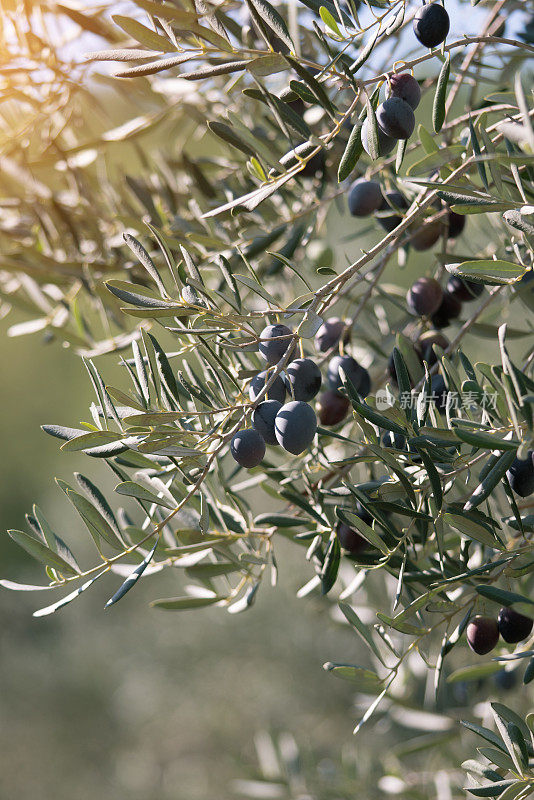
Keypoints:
(438, 109)
(42, 552)
(270, 16)
(352, 153)
(490, 271)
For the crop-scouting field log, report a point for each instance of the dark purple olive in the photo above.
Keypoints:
(514, 627)
(274, 342)
(396, 118)
(521, 475)
(314, 166)
(355, 373)
(276, 391)
(248, 447)
(263, 418)
(297, 105)
(456, 224)
(385, 142)
(464, 290)
(505, 679)
(350, 540)
(425, 296)
(427, 235)
(332, 408)
(392, 200)
(405, 86)
(329, 334)
(295, 426)
(449, 309)
(425, 346)
(303, 379)
(431, 25)
(482, 634)
(364, 197)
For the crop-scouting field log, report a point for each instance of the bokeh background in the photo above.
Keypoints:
(143, 704)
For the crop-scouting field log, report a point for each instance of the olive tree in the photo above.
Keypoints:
(262, 366)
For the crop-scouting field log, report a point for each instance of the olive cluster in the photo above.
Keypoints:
(483, 632)
(426, 298)
(395, 116)
(293, 424)
(365, 197)
(332, 404)
(424, 350)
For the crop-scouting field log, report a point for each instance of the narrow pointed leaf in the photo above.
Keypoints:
(352, 153)
(270, 16)
(132, 489)
(438, 110)
(44, 612)
(184, 603)
(41, 552)
(97, 525)
(132, 578)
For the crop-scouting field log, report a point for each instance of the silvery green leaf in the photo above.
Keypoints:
(132, 489)
(44, 612)
(438, 110)
(488, 271)
(184, 603)
(132, 578)
(309, 325)
(270, 16)
(41, 552)
(364, 679)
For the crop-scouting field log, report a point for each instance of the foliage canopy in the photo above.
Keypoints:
(165, 213)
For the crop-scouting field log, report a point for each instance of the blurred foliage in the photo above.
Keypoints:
(154, 221)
